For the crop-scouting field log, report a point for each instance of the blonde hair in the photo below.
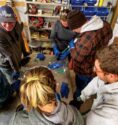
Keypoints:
(38, 88)
(64, 14)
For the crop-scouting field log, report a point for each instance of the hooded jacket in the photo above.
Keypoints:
(62, 115)
(94, 34)
(104, 110)
(11, 47)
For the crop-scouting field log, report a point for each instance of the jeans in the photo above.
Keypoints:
(81, 82)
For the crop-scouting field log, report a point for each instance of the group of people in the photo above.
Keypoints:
(89, 52)
(91, 35)
(38, 96)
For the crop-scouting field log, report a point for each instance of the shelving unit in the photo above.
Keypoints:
(42, 14)
(41, 17)
(89, 8)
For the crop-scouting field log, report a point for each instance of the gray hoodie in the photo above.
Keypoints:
(63, 115)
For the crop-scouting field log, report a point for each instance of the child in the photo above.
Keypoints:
(41, 107)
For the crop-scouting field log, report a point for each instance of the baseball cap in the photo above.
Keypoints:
(7, 14)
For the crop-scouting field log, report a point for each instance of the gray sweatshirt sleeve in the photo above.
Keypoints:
(91, 88)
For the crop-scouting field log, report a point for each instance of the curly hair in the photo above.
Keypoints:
(38, 87)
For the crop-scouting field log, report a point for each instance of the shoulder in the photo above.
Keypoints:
(4, 38)
(89, 35)
(57, 23)
(106, 24)
(77, 119)
(3, 34)
(20, 118)
(97, 80)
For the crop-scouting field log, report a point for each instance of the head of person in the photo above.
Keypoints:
(7, 18)
(38, 89)
(76, 20)
(106, 63)
(63, 17)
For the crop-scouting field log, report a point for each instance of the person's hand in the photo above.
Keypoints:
(56, 51)
(24, 61)
(64, 55)
(15, 75)
(64, 90)
(71, 44)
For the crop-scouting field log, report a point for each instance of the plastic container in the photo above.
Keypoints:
(90, 2)
(77, 2)
(88, 17)
(90, 11)
(102, 11)
(78, 8)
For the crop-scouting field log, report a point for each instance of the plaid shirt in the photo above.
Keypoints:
(83, 55)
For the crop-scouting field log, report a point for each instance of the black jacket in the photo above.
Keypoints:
(11, 47)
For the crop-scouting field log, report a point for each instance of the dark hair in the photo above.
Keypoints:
(108, 58)
(64, 14)
(76, 19)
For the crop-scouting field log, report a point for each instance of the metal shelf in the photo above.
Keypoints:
(43, 15)
(52, 4)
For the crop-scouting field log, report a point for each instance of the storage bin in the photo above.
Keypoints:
(88, 17)
(90, 2)
(90, 11)
(77, 2)
(78, 8)
(102, 11)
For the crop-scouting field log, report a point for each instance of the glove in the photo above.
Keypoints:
(24, 61)
(76, 102)
(40, 56)
(16, 85)
(71, 44)
(64, 90)
(15, 75)
(55, 65)
(64, 55)
(56, 51)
